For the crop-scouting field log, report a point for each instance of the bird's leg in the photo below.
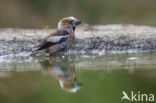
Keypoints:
(70, 44)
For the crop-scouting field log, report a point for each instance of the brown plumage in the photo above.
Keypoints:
(61, 39)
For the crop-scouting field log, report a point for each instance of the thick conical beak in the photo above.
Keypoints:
(76, 23)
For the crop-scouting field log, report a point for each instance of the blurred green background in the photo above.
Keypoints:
(38, 13)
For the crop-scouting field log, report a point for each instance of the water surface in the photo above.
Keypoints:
(76, 79)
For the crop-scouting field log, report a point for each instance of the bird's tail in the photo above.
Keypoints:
(34, 51)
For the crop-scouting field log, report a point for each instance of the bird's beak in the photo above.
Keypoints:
(76, 23)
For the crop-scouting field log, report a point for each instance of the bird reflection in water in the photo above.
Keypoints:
(64, 71)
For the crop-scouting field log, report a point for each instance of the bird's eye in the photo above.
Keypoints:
(71, 21)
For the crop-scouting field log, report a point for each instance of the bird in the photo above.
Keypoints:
(61, 39)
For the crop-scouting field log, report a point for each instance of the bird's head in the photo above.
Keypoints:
(68, 23)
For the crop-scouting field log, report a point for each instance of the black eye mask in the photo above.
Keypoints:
(71, 22)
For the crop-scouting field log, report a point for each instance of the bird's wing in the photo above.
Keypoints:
(58, 37)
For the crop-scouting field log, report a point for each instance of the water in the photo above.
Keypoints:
(76, 79)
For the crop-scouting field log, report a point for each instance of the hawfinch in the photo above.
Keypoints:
(61, 39)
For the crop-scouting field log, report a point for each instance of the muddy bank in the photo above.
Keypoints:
(98, 39)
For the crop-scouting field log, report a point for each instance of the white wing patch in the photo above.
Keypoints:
(58, 39)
